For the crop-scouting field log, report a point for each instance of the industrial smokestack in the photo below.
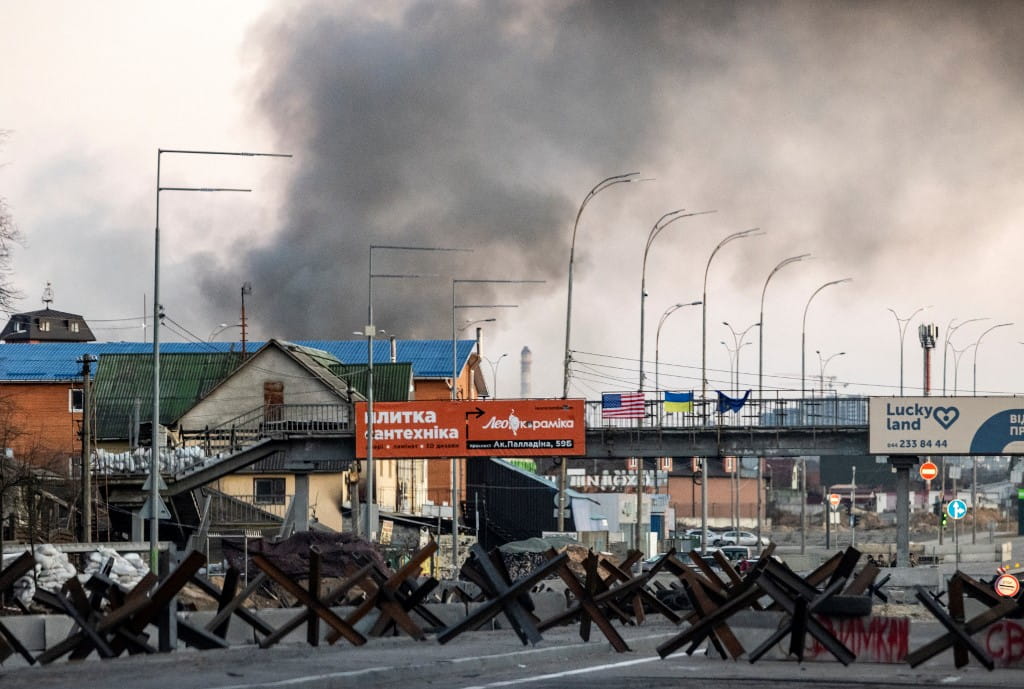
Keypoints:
(525, 372)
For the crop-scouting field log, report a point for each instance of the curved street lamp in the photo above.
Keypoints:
(494, 373)
(950, 329)
(563, 476)
(221, 328)
(901, 324)
(468, 323)
(753, 232)
(760, 372)
(738, 344)
(977, 344)
(957, 355)
(597, 189)
(657, 337)
(662, 222)
(803, 334)
(822, 365)
(760, 336)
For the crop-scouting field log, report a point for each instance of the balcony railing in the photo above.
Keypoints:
(271, 421)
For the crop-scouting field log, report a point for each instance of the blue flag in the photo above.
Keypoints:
(726, 403)
(678, 401)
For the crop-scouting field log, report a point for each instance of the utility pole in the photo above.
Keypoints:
(86, 536)
(853, 502)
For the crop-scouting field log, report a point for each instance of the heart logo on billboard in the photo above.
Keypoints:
(946, 416)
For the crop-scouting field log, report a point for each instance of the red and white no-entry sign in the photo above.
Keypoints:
(833, 499)
(1007, 586)
(928, 471)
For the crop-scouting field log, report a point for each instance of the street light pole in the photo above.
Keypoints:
(901, 325)
(454, 391)
(803, 334)
(974, 460)
(738, 344)
(154, 464)
(950, 329)
(760, 372)
(370, 331)
(657, 337)
(822, 365)
(663, 222)
(732, 366)
(494, 373)
(221, 328)
(977, 344)
(760, 333)
(563, 476)
(753, 232)
(957, 354)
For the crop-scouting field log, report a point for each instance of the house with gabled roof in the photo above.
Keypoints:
(284, 382)
(29, 373)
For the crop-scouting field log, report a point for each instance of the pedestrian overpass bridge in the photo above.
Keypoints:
(770, 427)
(305, 435)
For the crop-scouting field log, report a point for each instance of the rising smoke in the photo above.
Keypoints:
(481, 124)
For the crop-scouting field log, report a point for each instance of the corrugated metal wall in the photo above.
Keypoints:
(510, 503)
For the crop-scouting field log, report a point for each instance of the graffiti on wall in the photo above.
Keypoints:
(1004, 641)
(871, 639)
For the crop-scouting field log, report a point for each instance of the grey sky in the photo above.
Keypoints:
(883, 138)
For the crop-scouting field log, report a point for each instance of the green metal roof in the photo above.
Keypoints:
(391, 381)
(121, 379)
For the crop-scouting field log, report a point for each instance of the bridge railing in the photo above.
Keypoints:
(275, 420)
(774, 412)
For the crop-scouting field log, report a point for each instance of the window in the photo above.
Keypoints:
(74, 326)
(76, 400)
(43, 325)
(268, 491)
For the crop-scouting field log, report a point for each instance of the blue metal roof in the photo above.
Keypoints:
(55, 361)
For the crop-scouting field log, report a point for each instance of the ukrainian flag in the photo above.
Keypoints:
(678, 401)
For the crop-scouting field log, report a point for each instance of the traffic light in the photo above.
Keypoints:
(942, 519)
(937, 508)
(856, 520)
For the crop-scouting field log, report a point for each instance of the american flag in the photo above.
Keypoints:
(622, 405)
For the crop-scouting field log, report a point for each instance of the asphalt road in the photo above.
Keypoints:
(486, 660)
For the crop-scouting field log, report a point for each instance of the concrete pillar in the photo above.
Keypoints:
(301, 502)
(903, 464)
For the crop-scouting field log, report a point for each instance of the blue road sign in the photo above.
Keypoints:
(957, 509)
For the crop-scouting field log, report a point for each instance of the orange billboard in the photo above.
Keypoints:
(473, 428)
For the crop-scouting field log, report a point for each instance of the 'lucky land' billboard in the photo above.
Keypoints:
(473, 428)
(946, 425)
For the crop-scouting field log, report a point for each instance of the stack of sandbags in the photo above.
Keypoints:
(126, 569)
(24, 588)
(52, 568)
(51, 571)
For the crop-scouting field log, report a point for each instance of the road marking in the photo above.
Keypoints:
(566, 673)
(306, 678)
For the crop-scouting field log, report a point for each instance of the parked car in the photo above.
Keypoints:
(709, 535)
(740, 538)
